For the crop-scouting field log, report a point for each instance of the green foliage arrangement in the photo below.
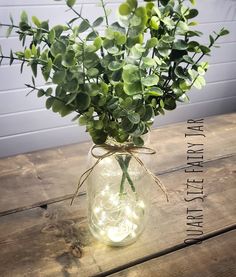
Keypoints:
(116, 82)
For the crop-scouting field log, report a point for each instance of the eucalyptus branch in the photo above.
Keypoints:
(33, 87)
(93, 29)
(14, 58)
(140, 76)
(105, 11)
(203, 54)
(211, 45)
(9, 25)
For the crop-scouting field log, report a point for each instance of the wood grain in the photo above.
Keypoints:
(57, 242)
(213, 258)
(42, 177)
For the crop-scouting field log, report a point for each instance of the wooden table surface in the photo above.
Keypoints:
(42, 235)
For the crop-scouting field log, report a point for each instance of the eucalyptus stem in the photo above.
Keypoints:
(9, 25)
(9, 58)
(93, 29)
(124, 164)
(105, 12)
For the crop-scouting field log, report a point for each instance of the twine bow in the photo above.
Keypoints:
(111, 150)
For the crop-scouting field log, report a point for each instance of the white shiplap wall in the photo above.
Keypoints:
(25, 125)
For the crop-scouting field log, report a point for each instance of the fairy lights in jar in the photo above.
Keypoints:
(117, 217)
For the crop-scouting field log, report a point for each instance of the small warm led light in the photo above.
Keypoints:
(101, 222)
(114, 200)
(103, 215)
(141, 204)
(116, 234)
(135, 216)
(102, 233)
(97, 210)
(128, 210)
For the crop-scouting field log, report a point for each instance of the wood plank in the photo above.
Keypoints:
(42, 171)
(49, 243)
(213, 258)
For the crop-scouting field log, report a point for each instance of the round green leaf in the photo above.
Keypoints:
(70, 3)
(113, 50)
(180, 45)
(150, 80)
(148, 62)
(57, 105)
(152, 42)
(69, 58)
(58, 77)
(126, 124)
(97, 42)
(125, 9)
(72, 85)
(155, 23)
(58, 47)
(130, 73)
(133, 88)
(132, 3)
(170, 103)
(41, 93)
(154, 91)
(93, 72)
(83, 101)
(138, 141)
(115, 65)
(149, 113)
(180, 72)
(192, 13)
(134, 118)
(91, 60)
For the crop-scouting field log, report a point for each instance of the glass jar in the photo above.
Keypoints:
(118, 191)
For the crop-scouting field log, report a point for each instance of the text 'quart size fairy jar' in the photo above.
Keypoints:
(118, 191)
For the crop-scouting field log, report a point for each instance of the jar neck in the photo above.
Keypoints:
(111, 141)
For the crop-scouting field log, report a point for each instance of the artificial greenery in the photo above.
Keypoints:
(116, 81)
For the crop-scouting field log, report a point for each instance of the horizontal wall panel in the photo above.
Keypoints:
(21, 3)
(216, 10)
(213, 91)
(11, 79)
(12, 124)
(197, 110)
(73, 134)
(40, 140)
(221, 72)
(17, 101)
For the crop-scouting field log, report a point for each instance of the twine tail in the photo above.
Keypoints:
(82, 179)
(154, 177)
